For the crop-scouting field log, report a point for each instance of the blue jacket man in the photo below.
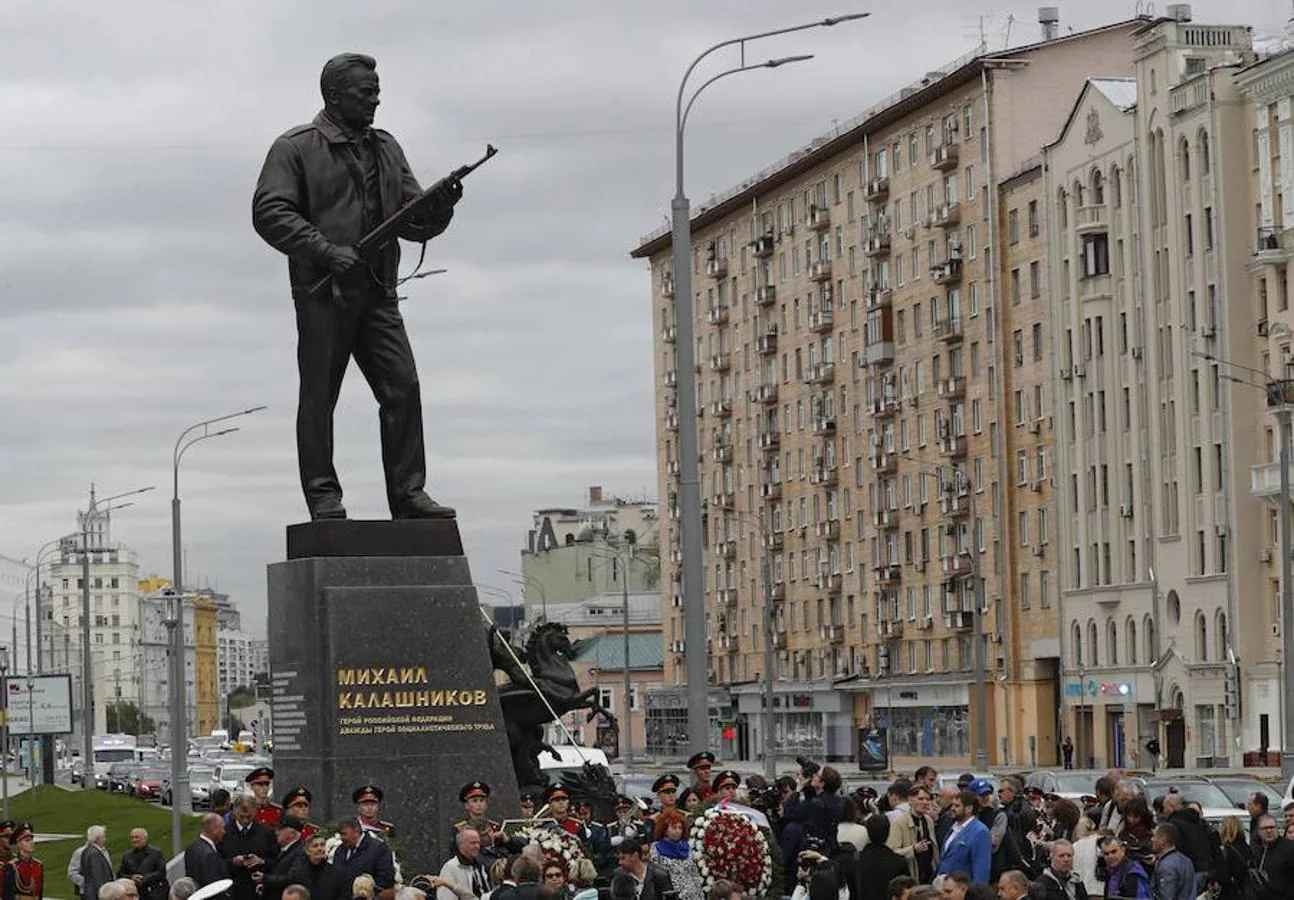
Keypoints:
(1174, 875)
(968, 848)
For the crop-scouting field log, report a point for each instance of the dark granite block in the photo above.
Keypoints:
(380, 673)
(355, 537)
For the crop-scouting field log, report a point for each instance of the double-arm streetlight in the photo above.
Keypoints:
(181, 798)
(529, 581)
(961, 480)
(690, 543)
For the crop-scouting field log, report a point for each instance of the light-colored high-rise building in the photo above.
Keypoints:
(874, 413)
(1163, 601)
(241, 657)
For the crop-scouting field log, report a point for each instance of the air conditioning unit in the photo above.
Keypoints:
(1080, 372)
(1220, 530)
(1262, 328)
(1035, 427)
(1208, 332)
(928, 622)
(1125, 510)
(1037, 549)
(1036, 486)
(1137, 352)
(1066, 374)
(1265, 555)
(919, 565)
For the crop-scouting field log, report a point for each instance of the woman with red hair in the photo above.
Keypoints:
(672, 853)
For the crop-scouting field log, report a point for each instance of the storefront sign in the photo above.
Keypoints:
(1094, 688)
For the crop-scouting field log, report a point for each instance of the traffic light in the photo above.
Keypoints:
(1232, 690)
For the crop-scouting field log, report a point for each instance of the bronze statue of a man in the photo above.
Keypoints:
(323, 186)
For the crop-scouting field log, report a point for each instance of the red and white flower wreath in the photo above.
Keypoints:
(726, 845)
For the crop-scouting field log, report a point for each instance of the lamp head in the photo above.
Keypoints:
(850, 17)
(784, 60)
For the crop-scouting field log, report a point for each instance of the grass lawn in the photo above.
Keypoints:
(53, 810)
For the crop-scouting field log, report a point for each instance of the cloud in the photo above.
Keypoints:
(135, 298)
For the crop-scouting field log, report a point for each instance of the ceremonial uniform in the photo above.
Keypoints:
(296, 796)
(487, 827)
(25, 875)
(374, 824)
(666, 790)
(700, 764)
(268, 813)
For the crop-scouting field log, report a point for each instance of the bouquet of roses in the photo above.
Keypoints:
(559, 846)
(728, 845)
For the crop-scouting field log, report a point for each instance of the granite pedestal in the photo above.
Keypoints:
(380, 674)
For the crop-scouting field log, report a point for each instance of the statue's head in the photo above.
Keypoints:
(349, 85)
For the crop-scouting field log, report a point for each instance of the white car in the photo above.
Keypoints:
(1214, 804)
(229, 776)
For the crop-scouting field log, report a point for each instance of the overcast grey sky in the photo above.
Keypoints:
(136, 299)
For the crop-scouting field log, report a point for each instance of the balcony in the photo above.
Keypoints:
(877, 244)
(890, 628)
(766, 343)
(822, 320)
(721, 409)
(884, 407)
(888, 574)
(771, 490)
(944, 157)
(765, 294)
(717, 267)
(722, 453)
(824, 426)
(671, 378)
(957, 564)
(762, 246)
(769, 440)
(826, 476)
(779, 640)
(672, 467)
(726, 549)
(829, 529)
(960, 619)
(778, 591)
(1274, 246)
(820, 270)
(832, 584)
(1266, 481)
(729, 643)
(671, 419)
(669, 333)
(880, 353)
(667, 286)
(953, 447)
(948, 215)
(819, 217)
(886, 518)
(766, 394)
(726, 597)
(948, 272)
(722, 500)
(877, 190)
(822, 373)
(879, 297)
(720, 362)
(955, 506)
(949, 330)
(1094, 217)
(885, 463)
(953, 388)
(832, 634)
(719, 315)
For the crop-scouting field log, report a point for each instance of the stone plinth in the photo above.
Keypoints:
(381, 674)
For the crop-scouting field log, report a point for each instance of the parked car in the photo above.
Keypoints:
(200, 786)
(1078, 785)
(1239, 788)
(229, 776)
(153, 784)
(1214, 803)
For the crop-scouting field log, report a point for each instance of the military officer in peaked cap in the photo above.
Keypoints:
(296, 803)
(268, 813)
(725, 785)
(367, 800)
(531, 798)
(475, 797)
(701, 764)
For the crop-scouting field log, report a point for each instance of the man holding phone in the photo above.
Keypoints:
(248, 846)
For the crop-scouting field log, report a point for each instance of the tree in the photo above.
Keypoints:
(236, 727)
(124, 717)
(241, 696)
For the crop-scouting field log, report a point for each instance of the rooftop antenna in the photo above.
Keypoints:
(1006, 38)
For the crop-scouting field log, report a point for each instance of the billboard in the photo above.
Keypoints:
(873, 749)
(39, 704)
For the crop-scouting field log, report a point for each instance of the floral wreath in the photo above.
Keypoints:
(559, 845)
(727, 845)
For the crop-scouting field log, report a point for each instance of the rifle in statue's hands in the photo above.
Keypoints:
(389, 230)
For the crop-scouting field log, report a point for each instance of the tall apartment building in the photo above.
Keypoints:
(1148, 189)
(114, 618)
(240, 658)
(857, 325)
(201, 687)
(1268, 86)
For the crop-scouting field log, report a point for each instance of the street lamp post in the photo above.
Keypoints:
(4, 729)
(181, 798)
(690, 537)
(87, 672)
(527, 581)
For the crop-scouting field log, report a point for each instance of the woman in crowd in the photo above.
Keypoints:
(1236, 857)
(671, 852)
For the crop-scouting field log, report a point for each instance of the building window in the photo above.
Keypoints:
(1096, 255)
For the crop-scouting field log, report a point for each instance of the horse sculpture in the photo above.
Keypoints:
(548, 654)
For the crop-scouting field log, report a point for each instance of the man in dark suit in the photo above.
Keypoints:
(202, 860)
(290, 865)
(248, 847)
(362, 854)
(96, 865)
(323, 878)
(653, 881)
(145, 866)
(877, 862)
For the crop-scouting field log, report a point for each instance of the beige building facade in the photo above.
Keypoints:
(1148, 192)
(873, 385)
